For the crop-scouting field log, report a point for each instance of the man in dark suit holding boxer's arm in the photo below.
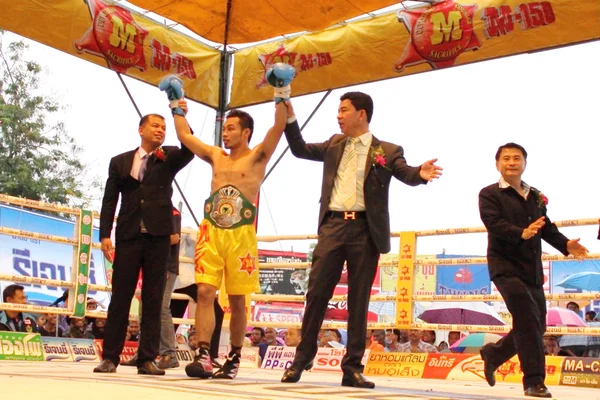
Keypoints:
(354, 225)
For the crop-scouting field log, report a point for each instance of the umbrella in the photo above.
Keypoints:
(583, 280)
(454, 312)
(471, 344)
(558, 316)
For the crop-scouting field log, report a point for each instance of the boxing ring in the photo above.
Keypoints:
(66, 377)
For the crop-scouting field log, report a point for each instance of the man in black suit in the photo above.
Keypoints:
(143, 178)
(354, 224)
(514, 214)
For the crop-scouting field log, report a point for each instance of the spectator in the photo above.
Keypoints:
(98, 325)
(257, 336)
(372, 343)
(416, 345)
(453, 337)
(78, 329)
(15, 320)
(192, 338)
(552, 348)
(292, 337)
(443, 347)
(392, 340)
(50, 328)
(133, 331)
(429, 337)
(270, 340)
(590, 316)
(573, 307)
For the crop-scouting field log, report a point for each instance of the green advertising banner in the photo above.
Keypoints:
(83, 262)
(21, 346)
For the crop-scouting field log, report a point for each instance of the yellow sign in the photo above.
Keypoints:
(407, 365)
(406, 258)
(117, 38)
(414, 40)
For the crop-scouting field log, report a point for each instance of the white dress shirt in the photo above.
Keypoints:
(137, 163)
(363, 144)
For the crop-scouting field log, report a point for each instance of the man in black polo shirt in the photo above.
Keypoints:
(16, 321)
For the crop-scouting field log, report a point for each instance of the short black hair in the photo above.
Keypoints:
(511, 145)
(592, 314)
(262, 331)
(572, 302)
(246, 121)
(360, 101)
(146, 117)
(10, 291)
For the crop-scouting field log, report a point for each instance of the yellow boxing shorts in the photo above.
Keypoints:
(227, 243)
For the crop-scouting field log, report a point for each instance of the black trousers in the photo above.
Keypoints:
(339, 240)
(148, 253)
(527, 306)
(178, 309)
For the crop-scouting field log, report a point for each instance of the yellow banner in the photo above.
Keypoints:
(117, 38)
(404, 287)
(415, 40)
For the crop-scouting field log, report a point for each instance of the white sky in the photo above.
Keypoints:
(546, 102)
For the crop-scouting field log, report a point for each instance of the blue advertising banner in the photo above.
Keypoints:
(56, 349)
(40, 259)
(463, 279)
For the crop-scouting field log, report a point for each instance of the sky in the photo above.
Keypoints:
(545, 101)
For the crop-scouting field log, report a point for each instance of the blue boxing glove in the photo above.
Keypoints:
(280, 75)
(173, 86)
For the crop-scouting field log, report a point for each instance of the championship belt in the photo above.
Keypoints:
(228, 208)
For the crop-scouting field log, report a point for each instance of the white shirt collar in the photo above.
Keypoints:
(365, 138)
(141, 152)
(505, 185)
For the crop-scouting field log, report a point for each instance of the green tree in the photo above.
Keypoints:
(38, 159)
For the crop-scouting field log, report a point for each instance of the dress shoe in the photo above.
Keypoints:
(149, 368)
(538, 390)
(106, 366)
(488, 368)
(293, 373)
(168, 361)
(356, 379)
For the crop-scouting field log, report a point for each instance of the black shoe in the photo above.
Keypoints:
(168, 361)
(132, 361)
(356, 379)
(293, 373)
(149, 368)
(106, 366)
(230, 368)
(538, 390)
(488, 368)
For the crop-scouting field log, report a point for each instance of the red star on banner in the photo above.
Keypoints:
(114, 35)
(403, 314)
(403, 292)
(248, 264)
(405, 270)
(438, 34)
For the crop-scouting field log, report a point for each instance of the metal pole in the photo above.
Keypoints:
(140, 115)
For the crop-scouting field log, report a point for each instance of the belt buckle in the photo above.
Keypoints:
(349, 215)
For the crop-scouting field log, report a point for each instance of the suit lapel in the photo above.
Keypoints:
(369, 165)
(128, 162)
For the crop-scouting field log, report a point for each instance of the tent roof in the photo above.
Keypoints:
(253, 21)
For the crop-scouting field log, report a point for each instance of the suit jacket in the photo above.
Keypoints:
(149, 199)
(505, 214)
(377, 178)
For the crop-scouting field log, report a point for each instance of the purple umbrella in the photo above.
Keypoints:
(455, 312)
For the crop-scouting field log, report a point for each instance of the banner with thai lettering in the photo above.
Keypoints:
(56, 349)
(44, 260)
(463, 279)
(21, 346)
(115, 37)
(439, 35)
(583, 372)
(327, 359)
(452, 366)
(84, 350)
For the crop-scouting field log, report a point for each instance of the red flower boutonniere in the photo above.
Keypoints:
(542, 200)
(160, 154)
(378, 157)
